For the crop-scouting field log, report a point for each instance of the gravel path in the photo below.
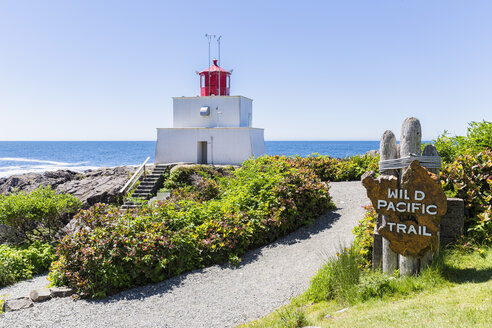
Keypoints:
(217, 296)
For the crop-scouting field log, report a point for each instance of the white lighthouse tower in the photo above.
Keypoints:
(214, 128)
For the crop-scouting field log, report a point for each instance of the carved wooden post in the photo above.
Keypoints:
(388, 150)
(409, 200)
(411, 136)
(426, 260)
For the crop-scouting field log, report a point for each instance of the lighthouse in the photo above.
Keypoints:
(214, 128)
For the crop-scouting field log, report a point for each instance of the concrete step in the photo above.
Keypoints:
(156, 176)
(145, 187)
(143, 190)
(151, 180)
(140, 195)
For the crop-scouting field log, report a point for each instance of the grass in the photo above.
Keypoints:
(456, 292)
(2, 300)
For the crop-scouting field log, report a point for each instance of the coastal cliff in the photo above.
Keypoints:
(91, 186)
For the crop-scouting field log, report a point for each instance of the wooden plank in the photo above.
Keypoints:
(411, 137)
(388, 150)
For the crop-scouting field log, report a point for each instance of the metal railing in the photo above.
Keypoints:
(135, 177)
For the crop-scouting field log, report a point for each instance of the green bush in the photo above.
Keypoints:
(22, 262)
(478, 138)
(186, 175)
(364, 235)
(333, 169)
(266, 198)
(469, 177)
(37, 215)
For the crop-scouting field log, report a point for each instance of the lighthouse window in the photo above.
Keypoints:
(205, 111)
(202, 81)
(228, 82)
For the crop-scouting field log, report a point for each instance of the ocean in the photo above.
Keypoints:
(18, 157)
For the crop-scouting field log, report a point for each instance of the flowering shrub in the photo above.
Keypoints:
(469, 177)
(207, 222)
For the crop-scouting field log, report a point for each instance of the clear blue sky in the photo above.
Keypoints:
(316, 70)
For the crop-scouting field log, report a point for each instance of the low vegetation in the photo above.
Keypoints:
(35, 216)
(333, 169)
(29, 223)
(469, 177)
(22, 262)
(210, 218)
(477, 139)
(343, 294)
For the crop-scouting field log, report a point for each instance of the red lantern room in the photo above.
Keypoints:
(215, 81)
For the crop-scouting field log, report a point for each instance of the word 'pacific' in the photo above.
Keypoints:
(406, 207)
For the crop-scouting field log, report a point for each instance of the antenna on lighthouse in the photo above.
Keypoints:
(220, 73)
(209, 38)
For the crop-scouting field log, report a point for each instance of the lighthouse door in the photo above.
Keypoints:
(202, 152)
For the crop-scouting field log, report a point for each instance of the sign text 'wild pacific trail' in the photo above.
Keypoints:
(412, 210)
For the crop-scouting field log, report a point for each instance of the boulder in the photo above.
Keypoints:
(373, 153)
(40, 294)
(61, 291)
(16, 304)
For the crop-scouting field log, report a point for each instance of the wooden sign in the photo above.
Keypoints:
(413, 210)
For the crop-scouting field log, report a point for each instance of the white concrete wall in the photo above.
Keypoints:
(233, 111)
(246, 115)
(224, 145)
(257, 137)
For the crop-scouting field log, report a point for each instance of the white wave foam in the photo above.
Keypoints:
(32, 160)
(40, 169)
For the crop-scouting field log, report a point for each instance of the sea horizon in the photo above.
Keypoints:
(19, 157)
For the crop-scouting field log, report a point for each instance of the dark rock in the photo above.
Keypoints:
(16, 304)
(92, 186)
(61, 291)
(98, 186)
(40, 295)
(30, 181)
(373, 153)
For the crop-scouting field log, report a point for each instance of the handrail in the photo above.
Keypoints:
(138, 173)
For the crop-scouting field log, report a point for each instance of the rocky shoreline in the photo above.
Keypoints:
(91, 186)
